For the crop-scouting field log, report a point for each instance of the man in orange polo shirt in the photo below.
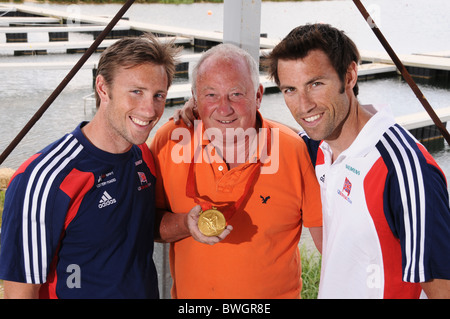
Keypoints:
(257, 172)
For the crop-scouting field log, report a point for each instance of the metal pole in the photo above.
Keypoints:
(65, 81)
(403, 70)
(242, 25)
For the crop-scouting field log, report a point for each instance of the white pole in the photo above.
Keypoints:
(242, 25)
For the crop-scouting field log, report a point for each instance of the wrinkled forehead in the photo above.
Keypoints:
(227, 62)
(224, 70)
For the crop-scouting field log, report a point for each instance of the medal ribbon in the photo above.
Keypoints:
(227, 209)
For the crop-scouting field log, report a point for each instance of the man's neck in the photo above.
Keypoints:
(357, 118)
(238, 151)
(97, 134)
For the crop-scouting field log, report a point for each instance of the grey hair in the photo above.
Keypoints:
(227, 51)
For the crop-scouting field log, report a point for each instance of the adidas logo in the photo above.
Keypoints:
(106, 200)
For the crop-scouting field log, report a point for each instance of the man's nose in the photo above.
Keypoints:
(305, 102)
(150, 108)
(224, 106)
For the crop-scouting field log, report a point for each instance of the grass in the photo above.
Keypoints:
(311, 261)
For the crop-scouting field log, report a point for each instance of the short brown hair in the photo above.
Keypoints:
(339, 48)
(133, 51)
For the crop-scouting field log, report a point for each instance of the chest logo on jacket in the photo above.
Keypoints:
(143, 181)
(105, 179)
(346, 189)
(264, 199)
(106, 200)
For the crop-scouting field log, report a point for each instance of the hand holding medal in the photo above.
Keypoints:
(211, 222)
(194, 223)
(211, 219)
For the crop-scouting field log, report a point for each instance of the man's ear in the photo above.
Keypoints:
(102, 88)
(352, 76)
(259, 96)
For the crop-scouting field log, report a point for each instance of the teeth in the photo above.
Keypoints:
(226, 122)
(139, 122)
(312, 118)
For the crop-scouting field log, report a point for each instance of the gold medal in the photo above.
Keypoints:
(211, 222)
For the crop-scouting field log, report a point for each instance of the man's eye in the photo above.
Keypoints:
(236, 96)
(288, 90)
(211, 96)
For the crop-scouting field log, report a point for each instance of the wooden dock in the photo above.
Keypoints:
(60, 28)
(421, 119)
(425, 68)
(441, 54)
(422, 126)
(410, 60)
(68, 45)
(8, 21)
(17, 21)
(85, 23)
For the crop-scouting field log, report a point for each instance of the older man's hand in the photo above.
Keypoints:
(188, 113)
(192, 224)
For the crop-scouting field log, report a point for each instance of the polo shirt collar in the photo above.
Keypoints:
(368, 137)
(261, 151)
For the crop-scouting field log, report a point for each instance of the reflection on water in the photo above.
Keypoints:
(407, 24)
(22, 97)
(411, 26)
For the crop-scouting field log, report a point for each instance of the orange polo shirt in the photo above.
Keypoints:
(260, 258)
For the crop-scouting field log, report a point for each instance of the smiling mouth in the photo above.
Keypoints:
(225, 122)
(312, 118)
(139, 122)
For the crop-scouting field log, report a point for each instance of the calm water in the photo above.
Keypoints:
(411, 26)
